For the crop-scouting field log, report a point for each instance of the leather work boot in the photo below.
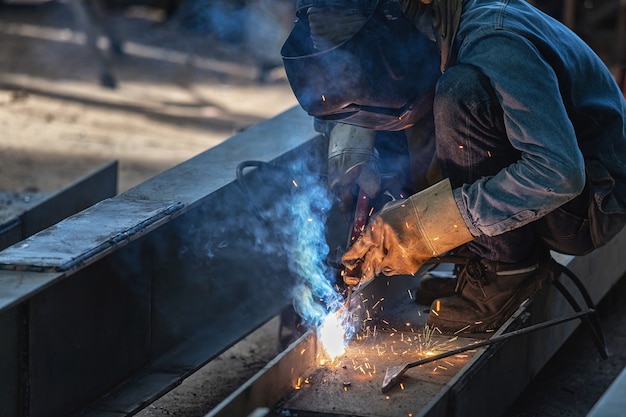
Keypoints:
(435, 285)
(438, 284)
(488, 293)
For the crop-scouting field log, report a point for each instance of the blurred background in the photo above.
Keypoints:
(150, 83)
(153, 82)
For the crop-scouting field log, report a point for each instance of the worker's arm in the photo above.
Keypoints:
(352, 164)
(550, 170)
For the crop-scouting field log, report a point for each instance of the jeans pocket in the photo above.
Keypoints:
(565, 232)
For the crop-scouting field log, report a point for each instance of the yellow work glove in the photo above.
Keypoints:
(407, 233)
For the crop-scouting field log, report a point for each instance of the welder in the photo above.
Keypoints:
(515, 130)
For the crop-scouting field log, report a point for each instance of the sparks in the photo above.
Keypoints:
(332, 335)
(463, 329)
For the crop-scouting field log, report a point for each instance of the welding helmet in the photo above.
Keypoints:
(377, 78)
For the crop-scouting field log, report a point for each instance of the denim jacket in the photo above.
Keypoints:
(562, 109)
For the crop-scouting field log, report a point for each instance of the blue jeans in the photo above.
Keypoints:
(467, 112)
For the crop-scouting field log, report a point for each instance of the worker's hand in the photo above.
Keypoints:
(407, 233)
(352, 164)
(390, 244)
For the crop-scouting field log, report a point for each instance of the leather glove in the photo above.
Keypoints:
(407, 233)
(352, 163)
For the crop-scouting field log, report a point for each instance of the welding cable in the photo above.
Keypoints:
(592, 327)
(592, 323)
(581, 288)
(587, 298)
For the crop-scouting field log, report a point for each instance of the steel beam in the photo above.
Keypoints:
(112, 307)
(32, 218)
(77, 196)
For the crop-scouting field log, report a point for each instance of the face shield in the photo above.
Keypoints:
(377, 79)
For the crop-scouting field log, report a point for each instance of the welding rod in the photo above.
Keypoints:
(395, 373)
(361, 212)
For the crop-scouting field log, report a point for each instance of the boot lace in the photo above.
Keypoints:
(472, 274)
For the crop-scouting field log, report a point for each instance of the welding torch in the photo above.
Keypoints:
(352, 276)
(362, 211)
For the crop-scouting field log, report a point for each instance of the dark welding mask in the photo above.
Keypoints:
(377, 79)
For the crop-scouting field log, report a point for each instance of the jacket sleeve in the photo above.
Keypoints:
(550, 170)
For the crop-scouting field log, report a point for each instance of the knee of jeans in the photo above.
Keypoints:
(461, 87)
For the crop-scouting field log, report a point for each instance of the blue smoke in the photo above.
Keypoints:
(296, 212)
(314, 296)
